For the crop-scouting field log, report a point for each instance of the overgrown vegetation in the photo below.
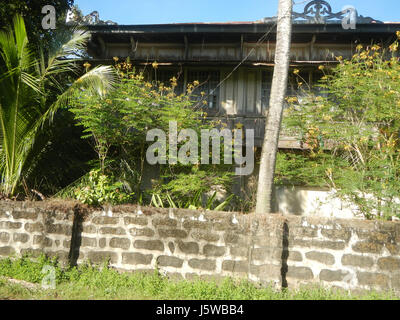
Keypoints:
(118, 123)
(351, 130)
(195, 203)
(301, 168)
(359, 119)
(91, 282)
(31, 11)
(101, 189)
(33, 86)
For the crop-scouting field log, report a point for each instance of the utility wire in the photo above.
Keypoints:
(260, 40)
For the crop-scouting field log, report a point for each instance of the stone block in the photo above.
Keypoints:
(140, 220)
(389, 264)
(332, 275)
(142, 232)
(155, 245)
(7, 251)
(122, 243)
(373, 279)
(88, 242)
(357, 261)
(28, 215)
(102, 220)
(34, 227)
(168, 261)
(205, 236)
(367, 247)
(112, 231)
(336, 234)
(172, 233)
(135, 258)
(322, 257)
(188, 247)
(20, 237)
(164, 222)
(202, 264)
(235, 266)
(214, 251)
(4, 237)
(99, 257)
(301, 273)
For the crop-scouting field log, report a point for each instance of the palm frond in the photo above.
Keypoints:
(25, 83)
(99, 80)
(61, 57)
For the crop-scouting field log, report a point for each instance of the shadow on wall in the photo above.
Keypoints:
(76, 238)
(288, 200)
(311, 202)
(285, 255)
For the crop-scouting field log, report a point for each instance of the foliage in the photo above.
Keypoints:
(101, 189)
(31, 10)
(359, 120)
(302, 168)
(60, 161)
(31, 91)
(119, 121)
(93, 18)
(186, 182)
(26, 269)
(123, 117)
(195, 203)
(91, 282)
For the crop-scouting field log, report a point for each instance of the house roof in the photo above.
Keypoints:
(317, 24)
(317, 17)
(249, 31)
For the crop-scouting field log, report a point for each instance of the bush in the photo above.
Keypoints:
(118, 122)
(360, 119)
(101, 189)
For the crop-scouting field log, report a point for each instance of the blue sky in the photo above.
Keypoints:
(170, 11)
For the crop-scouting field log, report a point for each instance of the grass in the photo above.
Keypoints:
(88, 282)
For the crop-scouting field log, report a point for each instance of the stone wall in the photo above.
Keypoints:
(284, 250)
(351, 254)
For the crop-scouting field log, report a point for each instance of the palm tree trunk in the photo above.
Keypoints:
(276, 104)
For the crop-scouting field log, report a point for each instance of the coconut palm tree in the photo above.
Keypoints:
(276, 105)
(32, 89)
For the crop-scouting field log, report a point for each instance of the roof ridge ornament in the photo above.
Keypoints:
(320, 12)
(317, 11)
(75, 16)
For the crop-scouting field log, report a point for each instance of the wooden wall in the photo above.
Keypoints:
(264, 52)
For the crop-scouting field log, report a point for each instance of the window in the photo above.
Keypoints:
(292, 89)
(266, 82)
(209, 81)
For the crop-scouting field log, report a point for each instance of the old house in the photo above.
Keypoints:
(234, 62)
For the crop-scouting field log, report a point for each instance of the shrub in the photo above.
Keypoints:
(360, 119)
(101, 189)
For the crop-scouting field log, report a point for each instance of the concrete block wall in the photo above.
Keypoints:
(31, 228)
(350, 254)
(184, 243)
(287, 251)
